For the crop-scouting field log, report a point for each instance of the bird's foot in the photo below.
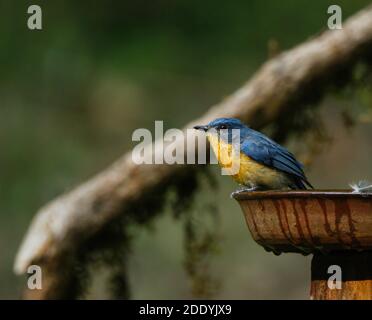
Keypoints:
(246, 189)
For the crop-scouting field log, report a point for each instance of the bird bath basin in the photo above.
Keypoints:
(334, 226)
(308, 221)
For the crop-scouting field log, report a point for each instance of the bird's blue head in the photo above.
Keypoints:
(228, 129)
(222, 124)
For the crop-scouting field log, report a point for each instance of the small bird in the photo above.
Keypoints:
(264, 164)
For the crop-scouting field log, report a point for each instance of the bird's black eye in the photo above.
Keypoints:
(223, 126)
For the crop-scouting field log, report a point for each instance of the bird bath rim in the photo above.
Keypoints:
(254, 195)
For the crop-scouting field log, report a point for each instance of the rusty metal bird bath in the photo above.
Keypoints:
(334, 226)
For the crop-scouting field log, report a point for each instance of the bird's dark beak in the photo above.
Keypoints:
(202, 128)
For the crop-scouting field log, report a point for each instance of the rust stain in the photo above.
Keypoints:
(284, 208)
(262, 207)
(354, 240)
(342, 208)
(254, 222)
(303, 207)
(277, 211)
(338, 215)
(327, 225)
(298, 223)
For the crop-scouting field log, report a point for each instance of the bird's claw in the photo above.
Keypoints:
(251, 189)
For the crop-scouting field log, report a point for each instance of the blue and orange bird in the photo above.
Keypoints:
(264, 164)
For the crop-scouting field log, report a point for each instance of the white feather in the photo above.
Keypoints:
(361, 186)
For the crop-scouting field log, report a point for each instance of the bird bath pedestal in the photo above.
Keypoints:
(334, 226)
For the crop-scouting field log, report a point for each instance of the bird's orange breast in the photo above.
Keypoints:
(249, 171)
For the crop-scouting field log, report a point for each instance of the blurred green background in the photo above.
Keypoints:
(72, 94)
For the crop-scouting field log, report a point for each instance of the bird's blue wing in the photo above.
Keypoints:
(271, 154)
